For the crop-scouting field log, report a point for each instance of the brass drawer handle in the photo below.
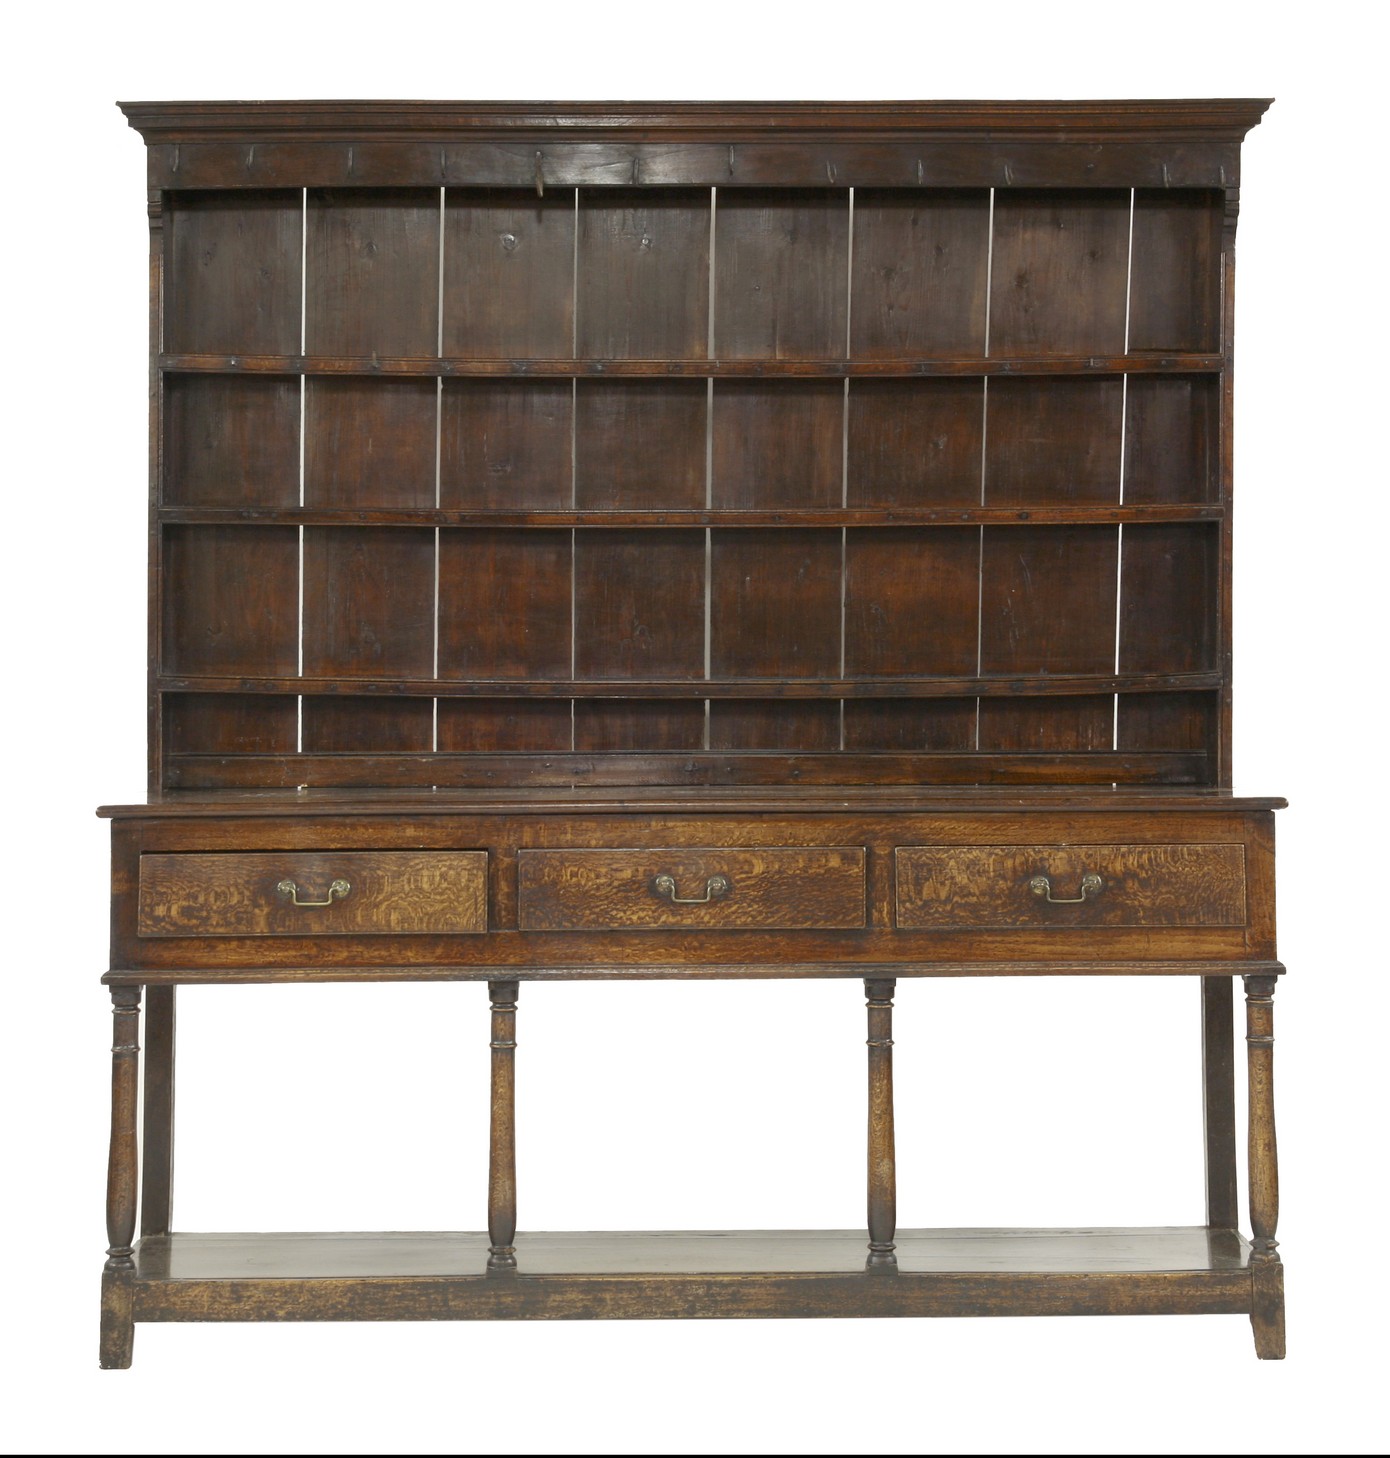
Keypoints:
(715, 887)
(291, 890)
(1041, 886)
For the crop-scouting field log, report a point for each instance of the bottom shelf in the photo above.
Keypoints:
(443, 1275)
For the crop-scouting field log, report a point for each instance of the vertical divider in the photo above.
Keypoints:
(709, 457)
(158, 206)
(984, 457)
(1124, 423)
(438, 463)
(574, 467)
(303, 426)
(844, 448)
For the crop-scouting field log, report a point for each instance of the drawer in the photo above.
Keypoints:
(313, 893)
(954, 887)
(706, 888)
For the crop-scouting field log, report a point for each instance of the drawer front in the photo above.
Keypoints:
(953, 887)
(315, 893)
(696, 887)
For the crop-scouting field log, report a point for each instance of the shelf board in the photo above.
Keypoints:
(694, 767)
(944, 516)
(691, 1252)
(814, 369)
(443, 1275)
(988, 686)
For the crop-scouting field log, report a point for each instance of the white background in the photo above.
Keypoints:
(698, 1105)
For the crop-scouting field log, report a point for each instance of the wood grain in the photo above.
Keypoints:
(774, 604)
(920, 264)
(1047, 599)
(777, 444)
(372, 272)
(767, 887)
(907, 602)
(231, 895)
(639, 444)
(639, 604)
(1171, 440)
(347, 1256)
(1175, 290)
(915, 443)
(368, 601)
(369, 442)
(508, 274)
(504, 604)
(781, 274)
(1053, 440)
(1061, 260)
(643, 269)
(1143, 885)
(231, 441)
(882, 1162)
(506, 445)
(230, 599)
(233, 281)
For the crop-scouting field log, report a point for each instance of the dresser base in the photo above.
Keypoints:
(647, 1275)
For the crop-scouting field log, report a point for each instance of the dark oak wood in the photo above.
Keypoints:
(883, 1174)
(234, 273)
(245, 894)
(508, 279)
(1267, 1312)
(1219, 1102)
(157, 1143)
(1001, 685)
(781, 263)
(691, 888)
(501, 1169)
(1000, 362)
(122, 1180)
(690, 540)
(355, 1256)
(645, 764)
(997, 885)
(920, 269)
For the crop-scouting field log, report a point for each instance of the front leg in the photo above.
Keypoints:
(1266, 1268)
(122, 1175)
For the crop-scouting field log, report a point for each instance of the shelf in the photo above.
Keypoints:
(696, 1273)
(1090, 515)
(700, 688)
(771, 369)
(685, 767)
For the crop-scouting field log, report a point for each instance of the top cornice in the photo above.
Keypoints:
(1221, 120)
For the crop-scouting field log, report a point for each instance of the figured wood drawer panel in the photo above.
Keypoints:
(949, 887)
(793, 888)
(236, 895)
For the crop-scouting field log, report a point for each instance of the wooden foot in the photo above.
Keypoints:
(883, 1174)
(1267, 1309)
(117, 1319)
(501, 1173)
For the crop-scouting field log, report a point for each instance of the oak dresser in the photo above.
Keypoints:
(690, 541)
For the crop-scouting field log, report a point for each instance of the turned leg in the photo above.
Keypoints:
(157, 1165)
(501, 1168)
(1266, 1269)
(1219, 1101)
(122, 1173)
(883, 1177)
